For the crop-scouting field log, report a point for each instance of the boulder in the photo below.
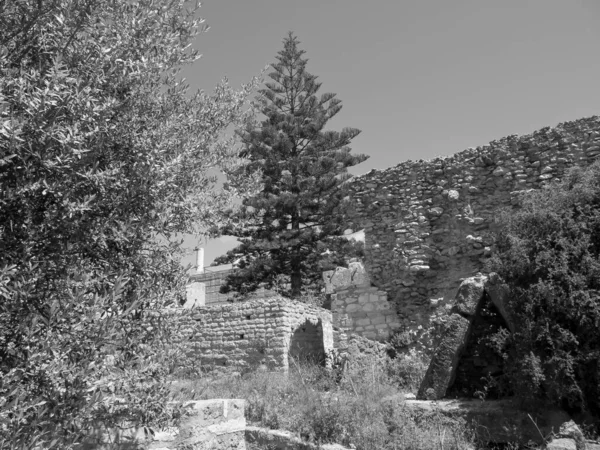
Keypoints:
(469, 295)
(570, 430)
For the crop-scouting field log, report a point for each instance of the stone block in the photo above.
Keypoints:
(368, 307)
(363, 298)
(379, 319)
(499, 294)
(211, 424)
(442, 368)
(562, 444)
(353, 307)
(469, 296)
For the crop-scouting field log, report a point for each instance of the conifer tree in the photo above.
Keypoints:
(303, 169)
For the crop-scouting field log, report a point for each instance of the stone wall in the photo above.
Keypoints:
(358, 307)
(258, 332)
(429, 224)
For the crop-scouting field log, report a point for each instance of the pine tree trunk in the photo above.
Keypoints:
(296, 278)
(296, 263)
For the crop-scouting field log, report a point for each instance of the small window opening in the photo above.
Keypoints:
(241, 336)
(248, 317)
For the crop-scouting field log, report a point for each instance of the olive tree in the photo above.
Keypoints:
(105, 156)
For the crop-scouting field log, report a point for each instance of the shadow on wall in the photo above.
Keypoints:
(306, 343)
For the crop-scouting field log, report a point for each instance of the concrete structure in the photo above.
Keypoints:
(205, 283)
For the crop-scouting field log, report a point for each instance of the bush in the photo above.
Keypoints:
(549, 253)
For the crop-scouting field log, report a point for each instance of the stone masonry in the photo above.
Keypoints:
(358, 307)
(430, 224)
(267, 332)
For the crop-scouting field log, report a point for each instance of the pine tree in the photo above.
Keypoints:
(304, 169)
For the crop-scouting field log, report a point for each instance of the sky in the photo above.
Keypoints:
(420, 78)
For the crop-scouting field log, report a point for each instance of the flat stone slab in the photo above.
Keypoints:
(562, 444)
(283, 440)
(498, 420)
(442, 368)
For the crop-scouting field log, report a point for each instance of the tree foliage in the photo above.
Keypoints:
(549, 253)
(299, 212)
(104, 157)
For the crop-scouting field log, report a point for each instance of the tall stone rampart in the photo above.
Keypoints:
(429, 224)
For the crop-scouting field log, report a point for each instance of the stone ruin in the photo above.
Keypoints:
(429, 224)
(428, 229)
(263, 332)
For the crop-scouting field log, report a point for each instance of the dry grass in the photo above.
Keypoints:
(362, 407)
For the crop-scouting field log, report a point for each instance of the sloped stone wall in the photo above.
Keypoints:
(429, 224)
(236, 336)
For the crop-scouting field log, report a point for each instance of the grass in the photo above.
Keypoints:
(363, 407)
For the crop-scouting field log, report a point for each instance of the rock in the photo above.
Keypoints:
(499, 172)
(453, 195)
(562, 444)
(591, 445)
(497, 420)
(469, 296)
(570, 430)
(342, 277)
(499, 294)
(442, 369)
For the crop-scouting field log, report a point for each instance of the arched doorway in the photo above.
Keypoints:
(307, 343)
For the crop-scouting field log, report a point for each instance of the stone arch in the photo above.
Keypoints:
(307, 342)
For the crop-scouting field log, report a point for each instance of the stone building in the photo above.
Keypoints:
(256, 332)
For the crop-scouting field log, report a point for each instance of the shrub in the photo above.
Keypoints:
(549, 253)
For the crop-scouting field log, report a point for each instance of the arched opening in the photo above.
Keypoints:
(306, 343)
